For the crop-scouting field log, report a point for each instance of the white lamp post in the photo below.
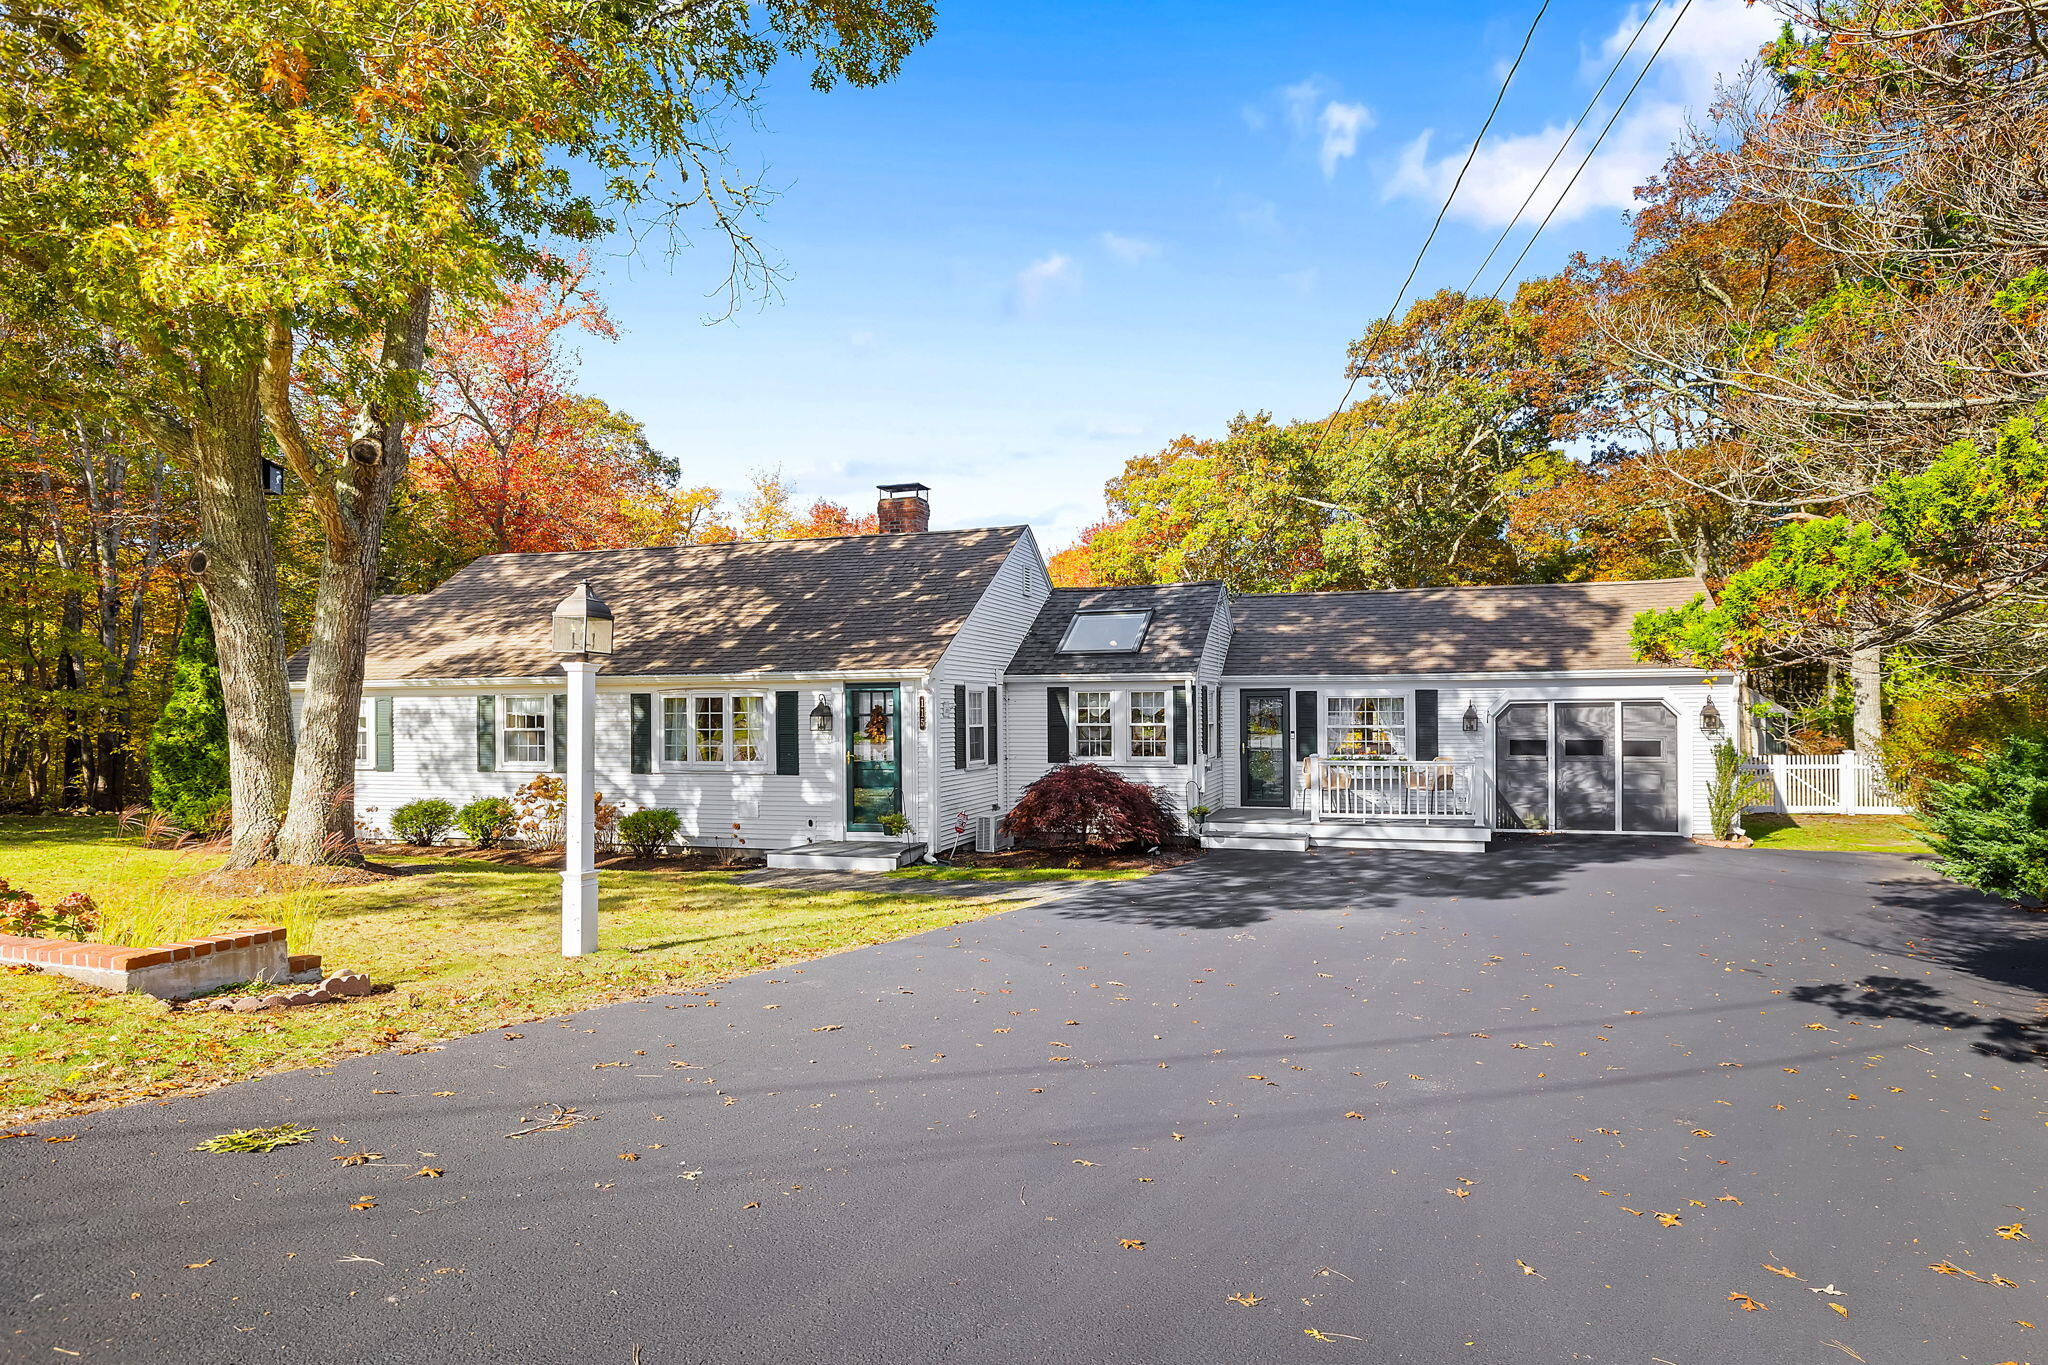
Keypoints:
(583, 636)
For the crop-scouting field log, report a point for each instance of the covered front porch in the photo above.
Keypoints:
(1427, 804)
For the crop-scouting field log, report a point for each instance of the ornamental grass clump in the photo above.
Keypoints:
(1085, 805)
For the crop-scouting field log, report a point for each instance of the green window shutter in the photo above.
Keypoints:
(959, 727)
(486, 734)
(1305, 727)
(381, 718)
(1058, 747)
(1426, 741)
(561, 732)
(989, 715)
(787, 721)
(1180, 723)
(642, 704)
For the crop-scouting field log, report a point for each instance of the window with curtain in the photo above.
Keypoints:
(1366, 727)
(1094, 730)
(1148, 725)
(714, 727)
(363, 736)
(523, 730)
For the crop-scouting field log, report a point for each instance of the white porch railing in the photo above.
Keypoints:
(1392, 789)
(1832, 784)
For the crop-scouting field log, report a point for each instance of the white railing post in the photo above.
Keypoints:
(1846, 784)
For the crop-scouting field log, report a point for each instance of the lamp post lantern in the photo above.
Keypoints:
(583, 636)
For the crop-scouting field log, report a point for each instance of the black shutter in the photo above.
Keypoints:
(1180, 723)
(561, 732)
(486, 734)
(642, 704)
(1304, 724)
(1203, 719)
(959, 726)
(786, 732)
(382, 727)
(988, 715)
(1058, 747)
(1425, 723)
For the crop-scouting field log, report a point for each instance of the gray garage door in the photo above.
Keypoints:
(1589, 766)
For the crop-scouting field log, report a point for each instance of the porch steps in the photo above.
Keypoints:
(847, 855)
(1294, 832)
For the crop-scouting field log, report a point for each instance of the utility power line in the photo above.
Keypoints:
(1470, 153)
(1565, 145)
(1586, 160)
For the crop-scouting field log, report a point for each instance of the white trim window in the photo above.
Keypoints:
(526, 732)
(714, 728)
(977, 726)
(1365, 727)
(1149, 740)
(1094, 725)
(366, 752)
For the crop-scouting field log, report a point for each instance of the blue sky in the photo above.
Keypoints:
(1069, 232)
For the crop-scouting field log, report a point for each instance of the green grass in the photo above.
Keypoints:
(1019, 874)
(1834, 833)
(467, 945)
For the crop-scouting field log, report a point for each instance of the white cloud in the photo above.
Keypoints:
(1129, 250)
(1340, 124)
(1317, 117)
(1037, 281)
(1714, 40)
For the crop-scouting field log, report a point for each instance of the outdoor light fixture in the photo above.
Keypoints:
(1710, 718)
(270, 476)
(821, 718)
(583, 623)
(1471, 717)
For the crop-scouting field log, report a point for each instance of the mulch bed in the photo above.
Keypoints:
(551, 859)
(1068, 860)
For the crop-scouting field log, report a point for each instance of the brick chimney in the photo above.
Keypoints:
(903, 508)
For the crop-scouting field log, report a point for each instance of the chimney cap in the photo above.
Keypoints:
(903, 489)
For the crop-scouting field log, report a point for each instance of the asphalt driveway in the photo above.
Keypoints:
(1577, 1100)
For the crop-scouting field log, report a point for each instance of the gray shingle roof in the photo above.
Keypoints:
(1182, 616)
(1525, 628)
(780, 606)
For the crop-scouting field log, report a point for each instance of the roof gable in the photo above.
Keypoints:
(824, 605)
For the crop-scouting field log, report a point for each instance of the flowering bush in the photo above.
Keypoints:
(22, 914)
(542, 805)
(1085, 805)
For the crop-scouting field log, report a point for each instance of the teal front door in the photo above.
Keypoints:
(1262, 747)
(874, 757)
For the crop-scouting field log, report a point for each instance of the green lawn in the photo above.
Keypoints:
(466, 944)
(1835, 833)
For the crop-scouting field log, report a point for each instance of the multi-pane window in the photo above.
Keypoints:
(977, 725)
(1365, 727)
(1094, 730)
(1148, 725)
(713, 728)
(363, 735)
(523, 731)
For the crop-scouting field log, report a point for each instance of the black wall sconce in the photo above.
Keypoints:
(821, 718)
(1710, 718)
(1471, 717)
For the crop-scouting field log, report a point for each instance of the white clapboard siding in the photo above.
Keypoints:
(977, 658)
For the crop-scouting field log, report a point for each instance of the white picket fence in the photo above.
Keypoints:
(1830, 784)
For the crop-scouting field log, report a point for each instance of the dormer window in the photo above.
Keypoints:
(1105, 632)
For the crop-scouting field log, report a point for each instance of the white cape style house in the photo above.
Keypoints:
(797, 695)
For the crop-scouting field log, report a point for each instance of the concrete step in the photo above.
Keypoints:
(1258, 843)
(846, 855)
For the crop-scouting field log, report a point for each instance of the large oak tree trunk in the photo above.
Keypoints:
(320, 826)
(241, 592)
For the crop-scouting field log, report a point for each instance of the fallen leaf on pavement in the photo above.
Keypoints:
(1130, 1243)
(1749, 1305)
(429, 1172)
(200, 1265)
(1246, 1299)
(1781, 1270)
(1528, 1269)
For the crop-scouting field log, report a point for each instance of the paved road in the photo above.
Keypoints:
(1603, 1084)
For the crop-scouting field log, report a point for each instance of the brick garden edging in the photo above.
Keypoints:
(168, 971)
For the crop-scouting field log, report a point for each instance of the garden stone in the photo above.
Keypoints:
(321, 996)
(275, 1001)
(248, 1004)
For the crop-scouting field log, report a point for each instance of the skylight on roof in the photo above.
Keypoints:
(1105, 632)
